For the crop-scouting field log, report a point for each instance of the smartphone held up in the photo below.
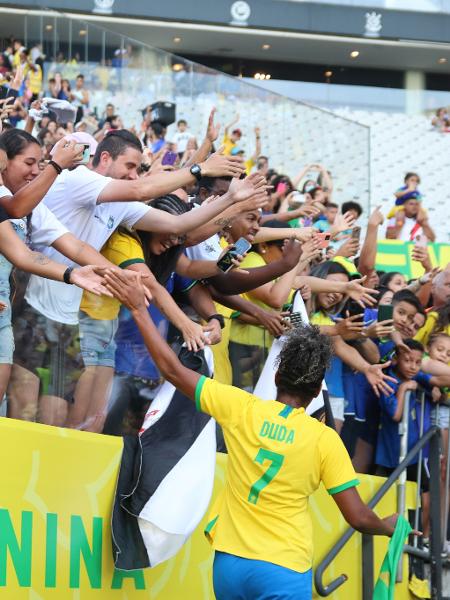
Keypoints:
(241, 247)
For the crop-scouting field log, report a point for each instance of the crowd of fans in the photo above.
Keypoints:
(81, 189)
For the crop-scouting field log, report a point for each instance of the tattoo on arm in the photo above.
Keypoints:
(40, 258)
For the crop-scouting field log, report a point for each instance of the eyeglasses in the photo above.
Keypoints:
(177, 239)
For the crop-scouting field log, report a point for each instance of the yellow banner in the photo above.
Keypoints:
(394, 255)
(55, 537)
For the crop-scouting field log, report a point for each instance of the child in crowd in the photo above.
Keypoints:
(406, 365)
(439, 349)
(408, 190)
(181, 137)
(328, 218)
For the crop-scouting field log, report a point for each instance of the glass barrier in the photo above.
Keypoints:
(54, 382)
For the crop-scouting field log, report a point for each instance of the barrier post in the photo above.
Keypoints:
(445, 507)
(401, 486)
(367, 567)
(435, 518)
(419, 467)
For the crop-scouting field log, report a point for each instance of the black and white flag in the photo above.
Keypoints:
(166, 476)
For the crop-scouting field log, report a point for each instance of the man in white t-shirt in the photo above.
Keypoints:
(409, 222)
(87, 202)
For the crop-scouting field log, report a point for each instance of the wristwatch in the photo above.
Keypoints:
(196, 172)
(219, 318)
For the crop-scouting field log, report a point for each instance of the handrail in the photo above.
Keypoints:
(323, 590)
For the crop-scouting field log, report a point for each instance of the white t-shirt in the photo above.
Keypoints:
(181, 138)
(209, 249)
(407, 229)
(73, 199)
(45, 227)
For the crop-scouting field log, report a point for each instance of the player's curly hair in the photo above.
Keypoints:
(302, 362)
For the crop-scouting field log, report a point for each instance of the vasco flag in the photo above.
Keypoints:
(385, 586)
(166, 476)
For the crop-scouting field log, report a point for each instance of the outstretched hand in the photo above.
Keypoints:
(88, 279)
(219, 165)
(213, 129)
(242, 189)
(362, 295)
(342, 223)
(379, 380)
(127, 287)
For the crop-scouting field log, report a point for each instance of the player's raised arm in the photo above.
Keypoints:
(130, 292)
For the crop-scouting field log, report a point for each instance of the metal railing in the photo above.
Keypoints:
(433, 555)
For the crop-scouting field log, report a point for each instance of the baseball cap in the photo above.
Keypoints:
(235, 151)
(80, 137)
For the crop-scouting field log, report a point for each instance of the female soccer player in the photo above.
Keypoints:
(277, 457)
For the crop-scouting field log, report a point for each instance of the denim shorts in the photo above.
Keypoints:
(6, 344)
(97, 344)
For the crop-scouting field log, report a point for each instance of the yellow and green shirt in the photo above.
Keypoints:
(424, 334)
(123, 250)
(277, 458)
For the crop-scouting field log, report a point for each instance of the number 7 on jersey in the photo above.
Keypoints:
(276, 460)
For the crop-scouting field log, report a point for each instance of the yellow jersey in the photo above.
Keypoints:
(424, 334)
(277, 457)
(123, 250)
(320, 318)
(245, 333)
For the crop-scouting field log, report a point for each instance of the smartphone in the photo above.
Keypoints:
(356, 233)
(169, 158)
(282, 188)
(385, 312)
(86, 153)
(240, 247)
(353, 308)
(294, 319)
(421, 241)
(324, 239)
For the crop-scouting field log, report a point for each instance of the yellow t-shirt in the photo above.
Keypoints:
(277, 457)
(122, 250)
(424, 334)
(249, 164)
(223, 372)
(35, 80)
(228, 144)
(319, 318)
(244, 333)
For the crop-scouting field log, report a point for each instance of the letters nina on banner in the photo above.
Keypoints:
(395, 255)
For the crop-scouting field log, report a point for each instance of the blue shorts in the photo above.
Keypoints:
(97, 344)
(237, 578)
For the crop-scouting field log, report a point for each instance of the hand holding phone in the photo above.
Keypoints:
(385, 312)
(225, 263)
(356, 233)
(281, 188)
(421, 241)
(324, 239)
(86, 149)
